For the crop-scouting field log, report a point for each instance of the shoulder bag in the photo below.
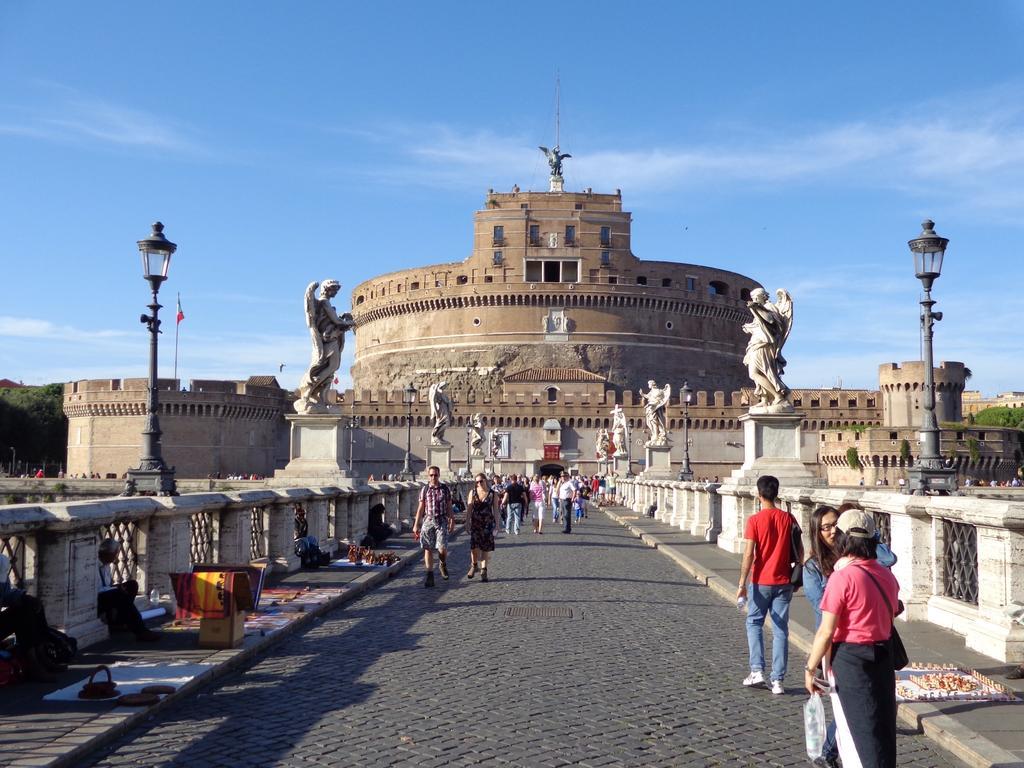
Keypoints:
(796, 574)
(899, 651)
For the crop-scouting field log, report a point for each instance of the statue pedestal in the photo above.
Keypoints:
(318, 451)
(440, 456)
(557, 184)
(771, 446)
(659, 462)
(476, 464)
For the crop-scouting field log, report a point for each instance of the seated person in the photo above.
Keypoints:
(116, 602)
(22, 615)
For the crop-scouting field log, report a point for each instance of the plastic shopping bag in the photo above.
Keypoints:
(814, 726)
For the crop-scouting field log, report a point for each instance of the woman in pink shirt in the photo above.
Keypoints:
(537, 493)
(857, 612)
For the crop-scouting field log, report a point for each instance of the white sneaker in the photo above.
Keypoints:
(756, 677)
(777, 689)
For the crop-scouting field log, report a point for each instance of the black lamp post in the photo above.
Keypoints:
(353, 425)
(14, 455)
(408, 397)
(687, 395)
(152, 475)
(469, 455)
(930, 474)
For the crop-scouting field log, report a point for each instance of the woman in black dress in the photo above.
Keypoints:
(482, 518)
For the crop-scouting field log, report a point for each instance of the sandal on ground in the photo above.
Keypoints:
(472, 571)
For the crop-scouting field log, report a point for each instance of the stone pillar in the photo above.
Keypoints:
(358, 515)
(393, 507)
(441, 456)
(659, 462)
(318, 451)
(235, 539)
(167, 548)
(281, 537)
(68, 579)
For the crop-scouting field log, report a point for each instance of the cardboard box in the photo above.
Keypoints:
(228, 632)
(222, 633)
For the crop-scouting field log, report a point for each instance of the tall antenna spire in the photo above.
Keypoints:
(558, 107)
(555, 156)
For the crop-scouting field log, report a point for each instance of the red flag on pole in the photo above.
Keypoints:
(181, 315)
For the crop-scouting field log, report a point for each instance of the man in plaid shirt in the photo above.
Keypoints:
(434, 521)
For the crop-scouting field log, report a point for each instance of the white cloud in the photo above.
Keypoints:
(972, 151)
(65, 115)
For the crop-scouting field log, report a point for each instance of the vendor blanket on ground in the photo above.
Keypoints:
(944, 682)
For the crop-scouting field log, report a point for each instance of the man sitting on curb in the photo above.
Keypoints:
(116, 602)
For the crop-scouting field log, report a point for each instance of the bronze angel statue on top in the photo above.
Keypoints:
(555, 159)
(327, 333)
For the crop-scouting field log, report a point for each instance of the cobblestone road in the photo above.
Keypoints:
(645, 673)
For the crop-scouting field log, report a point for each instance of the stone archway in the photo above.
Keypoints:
(551, 469)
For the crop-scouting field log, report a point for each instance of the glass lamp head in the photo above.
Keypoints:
(928, 249)
(156, 251)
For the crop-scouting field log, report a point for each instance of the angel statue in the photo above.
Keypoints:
(327, 332)
(655, 402)
(768, 331)
(495, 445)
(604, 445)
(620, 430)
(476, 437)
(555, 159)
(440, 411)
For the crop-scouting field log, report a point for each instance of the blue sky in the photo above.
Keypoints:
(800, 143)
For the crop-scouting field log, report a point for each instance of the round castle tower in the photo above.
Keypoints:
(552, 283)
(902, 389)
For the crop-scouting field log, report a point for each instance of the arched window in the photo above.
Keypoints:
(552, 394)
(718, 288)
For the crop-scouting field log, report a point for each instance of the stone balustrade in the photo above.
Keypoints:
(54, 547)
(961, 559)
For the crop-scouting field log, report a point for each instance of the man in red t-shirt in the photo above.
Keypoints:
(768, 561)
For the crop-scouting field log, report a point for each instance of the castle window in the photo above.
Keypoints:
(641, 280)
(852, 402)
(606, 258)
(461, 279)
(579, 206)
(498, 257)
(535, 234)
(871, 402)
(613, 280)
(893, 435)
(487, 279)
(552, 394)
(499, 235)
(606, 235)
(570, 234)
(668, 325)
(833, 402)
(552, 271)
(815, 402)
(666, 282)
(745, 294)
(717, 288)
(360, 299)
(691, 283)
(524, 205)
(414, 286)
(797, 402)
(476, 321)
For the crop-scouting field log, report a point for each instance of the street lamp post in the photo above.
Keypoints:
(930, 474)
(469, 459)
(14, 466)
(408, 397)
(353, 425)
(687, 395)
(152, 475)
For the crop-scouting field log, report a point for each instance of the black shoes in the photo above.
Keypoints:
(443, 567)
(430, 580)
(483, 574)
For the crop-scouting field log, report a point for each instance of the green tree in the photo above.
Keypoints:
(1001, 417)
(973, 449)
(904, 451)
(32, 422)
(853, 458)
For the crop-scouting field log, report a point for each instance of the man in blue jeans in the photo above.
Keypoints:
(768, 561)
(513, 499)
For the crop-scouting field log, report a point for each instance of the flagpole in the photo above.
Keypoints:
(177, 325)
